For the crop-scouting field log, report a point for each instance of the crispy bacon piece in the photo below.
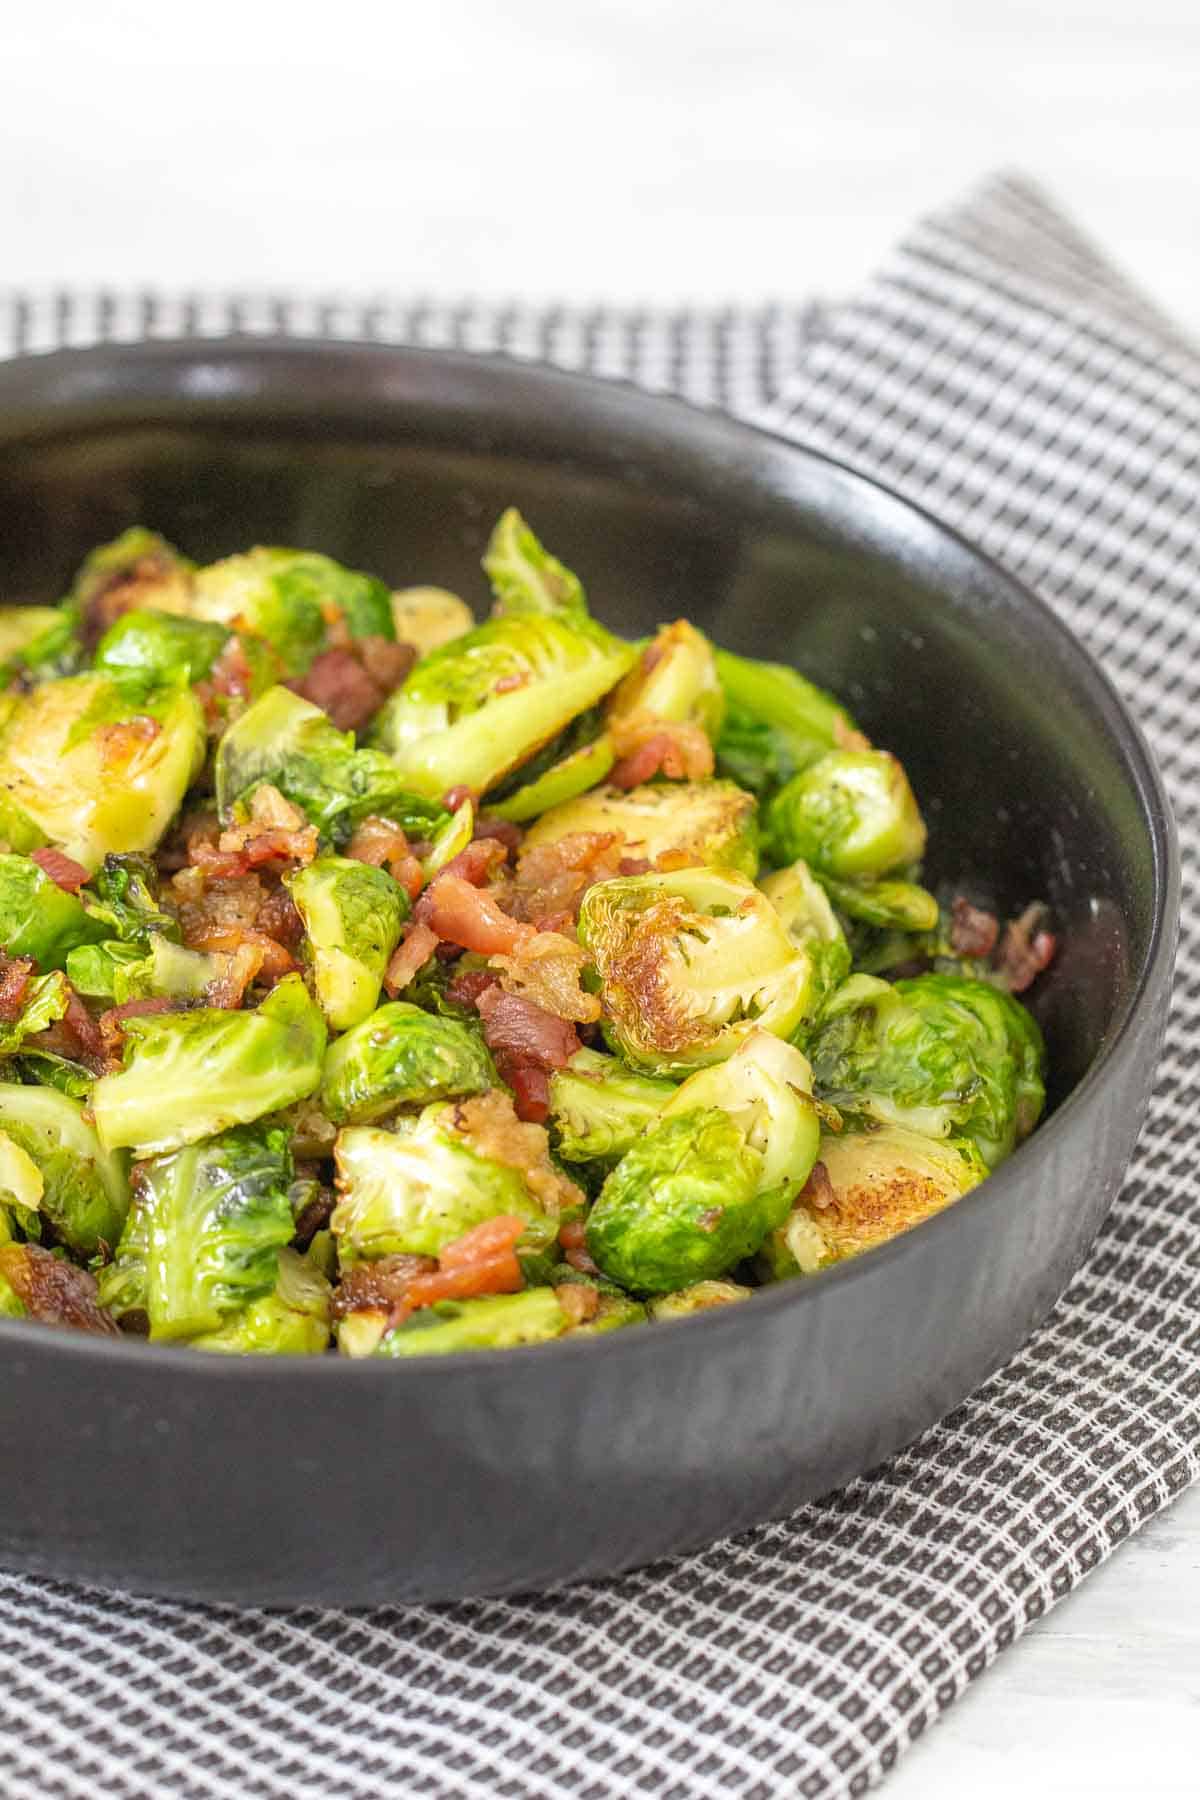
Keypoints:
(460, 913)
(453, 797)
(63, 870)
(1026, 949)
(649, 747)
(381, 1283)
(478, 862)
(122, 591)
(15, 973)
(315, 1215)
(276, 962)
(467, 986)
(482, 1261)
(973, 932)
(547, 969)
(53, 1291)
(573, 1238)
(378, 842)
(578, 1301)
(351, 681)
(275, 833)
(278, 917)
(503, 831)
(551, 879)
(78, 1022)
(526, 1042)
(495, 1131)
(818, 1189)
(224, 913)
(418, 945)
(227, 990)
(530, 1085)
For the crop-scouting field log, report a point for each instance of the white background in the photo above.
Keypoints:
(583, 149)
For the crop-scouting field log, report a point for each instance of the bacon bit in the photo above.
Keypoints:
(315, 1215)
(482, 1261)
(351, 683)
(454, 797)
(381, 1283)
(1026, 949)
(227, 990)
(206, 903)
(508, 684)
(411, 954)
(973, 932)
(53, 1291)
(123, 590)
(504, 832)
(579, 1302)
(63, 870)
(573, 1238)
(387, 660)
(121, 742)
(112, 1023)
(14, 980)
(547, 970)
(276, 962)
(634, 865)
(526, 1042)
(818, 1190)
(466, 987)
(478, 861)
(492, 1127)
(551, 879)
(650, 747)
(381, 844)
(469, 916)
(231, 674)
(846, 737)
(278, 917)
(80, 1024)
(666, 860)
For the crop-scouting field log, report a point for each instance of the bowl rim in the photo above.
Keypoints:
(1093, 684)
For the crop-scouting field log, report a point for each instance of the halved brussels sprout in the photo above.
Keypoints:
(142, 567)
(499, 1322)
(766, 1088)
(702, 1296)
(690, 963)
(287, 596)
(39, 920)
(156, 647)
(118, 972)
(712, 822)
(885, 905)
(122, 898)
(190, 1074)
(810, 922)
(877, 1183)
(941, 1054)
(776, 723)
(402, 1056)
(352, 916)
(418, 1187)
(675, 681)
(428, 617)
(852, 815)
(572, 774)
(85, 1188)
(97, 770)
(292, 744)
(21, 1184)
(599, 1108)
(450, 841)
(204, 1233)
(526, 580)
(293, 1320)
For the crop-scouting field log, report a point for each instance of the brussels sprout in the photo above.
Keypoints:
(142, 567)
(290, 743)
(293, 1320)
(27, 633)
(122, 898)
(526, 580)
(675, 680)
(776, 723)
(851, 815)
(712, 822)
(614, 1308)
(599, 1107)
(690, 963)
(119, 972)
(885, 905)
(37, 919)
(287, 596)
(98, 771)
(190, 1074)
(85, 1188)
(498, 1322)
(398, 1057)
(428, 617)
(572, 774)
(419, 1187)
(876, 1184)
(352, 915)
(450, 841)
(204, 1233)
(481, 706)
(766, 1088)
(43, 1068)
(11, 1304)
(45, 1000)
(21, 1190)
(700, 1297)
(151, 648)
(940, 1054)
(810, 922)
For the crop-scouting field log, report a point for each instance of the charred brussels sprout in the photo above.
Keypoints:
(190, 1074)
(690, 963)
(599, 1108)
(939, 1054)
(291, 744)
(352, 916)
(428, 617)
(851, 815)
(154, 647)
(710, 822)
(287, 597)
(702, 1296)
(204, 1233)
(85, 1188)
(810, 922)
(122, 897)
(875, 1184)
(402, 1056)
(39, 920)
(703, 1186)
(776, 723)
(499, 1322)
(292, 1320)
(418, 1187)
(97, 770)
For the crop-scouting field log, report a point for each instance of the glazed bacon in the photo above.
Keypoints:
(384, 846)
(471, 917)
(62, 869)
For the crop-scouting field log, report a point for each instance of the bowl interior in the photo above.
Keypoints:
(1032, 785)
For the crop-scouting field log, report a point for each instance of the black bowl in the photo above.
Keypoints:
(329, 1482)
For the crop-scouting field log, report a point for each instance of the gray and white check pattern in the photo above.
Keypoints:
(1002, 375)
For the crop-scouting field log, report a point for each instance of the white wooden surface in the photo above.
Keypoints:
(670, 151)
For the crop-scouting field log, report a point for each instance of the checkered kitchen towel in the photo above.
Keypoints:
(1002, 375)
